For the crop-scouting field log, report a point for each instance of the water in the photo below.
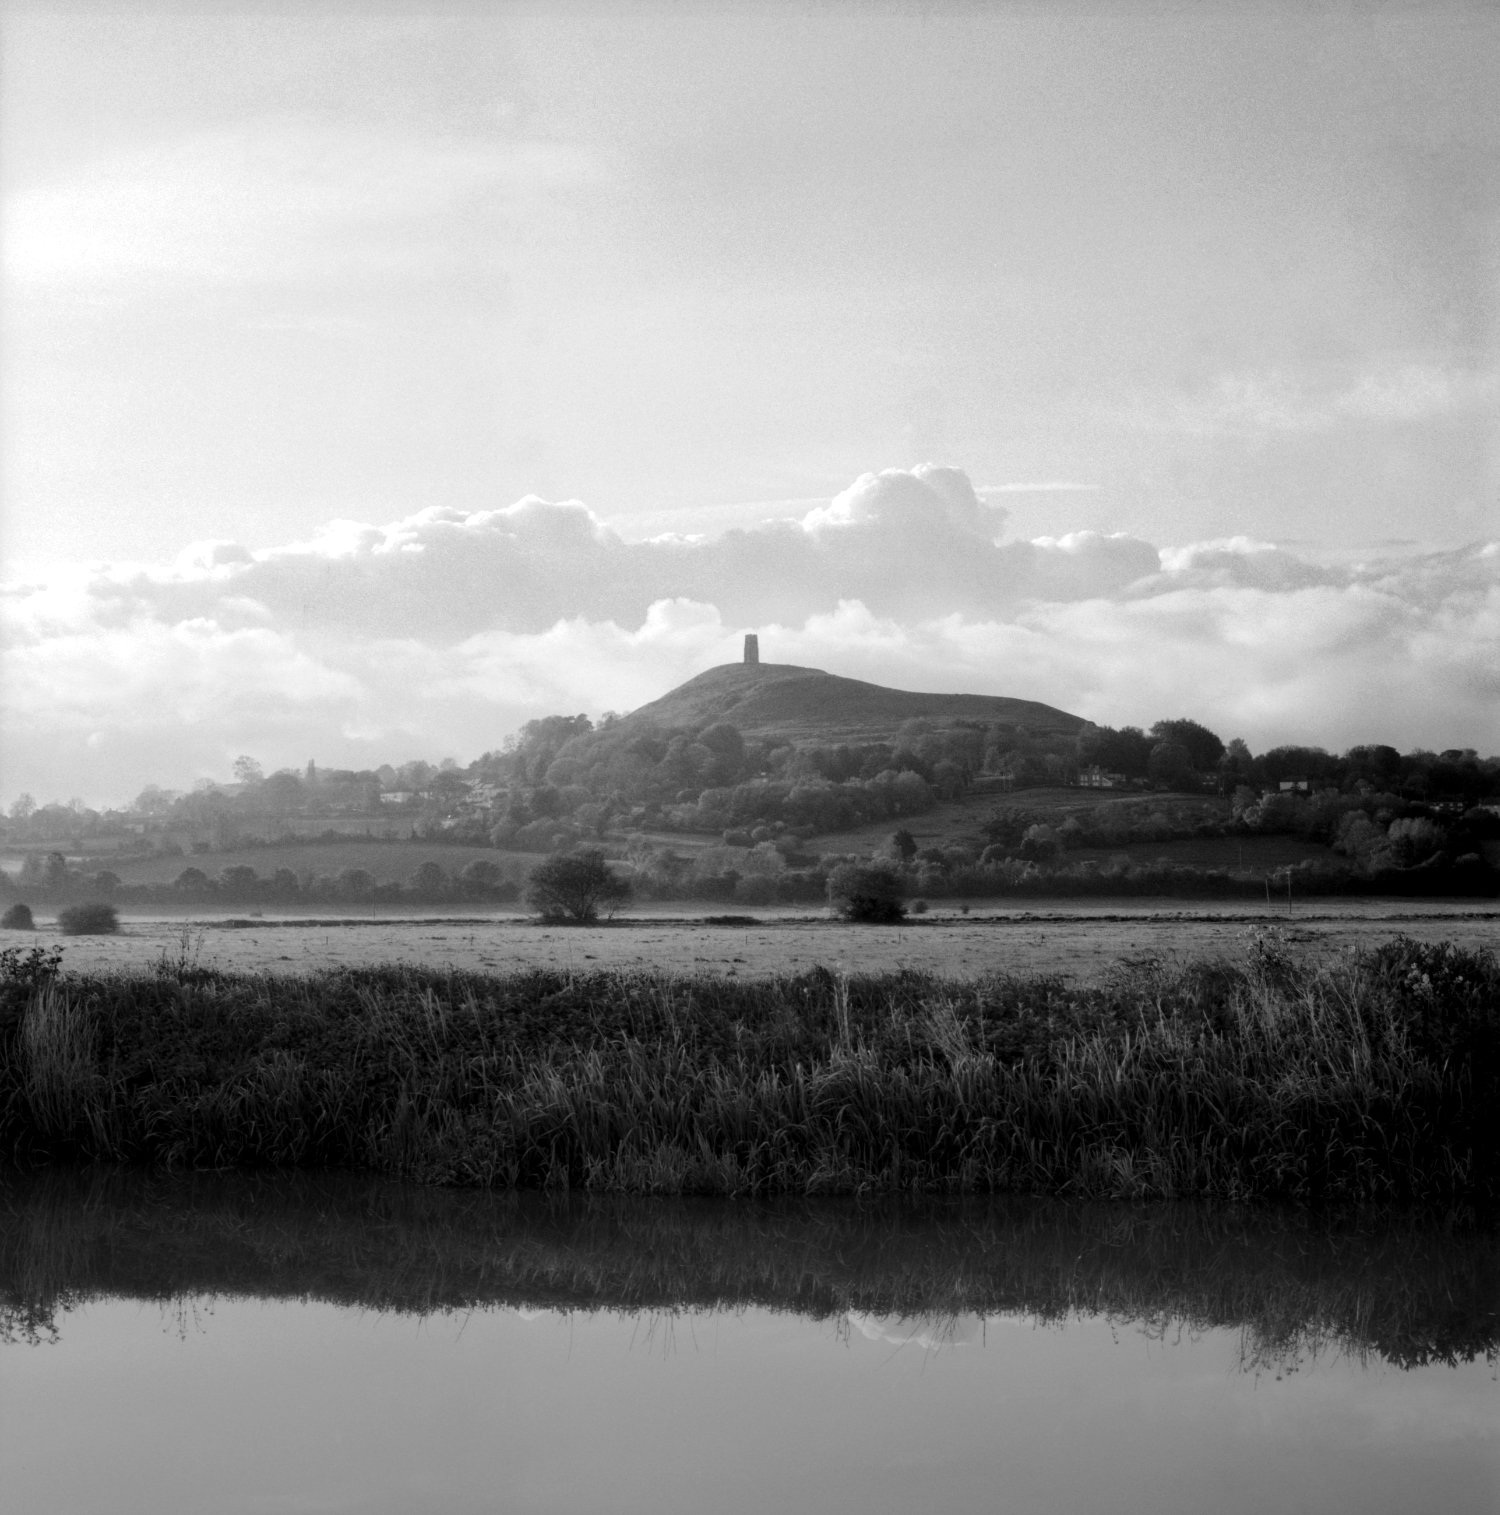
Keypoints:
(230, 1345)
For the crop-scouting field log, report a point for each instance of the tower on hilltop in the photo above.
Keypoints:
(752, 648)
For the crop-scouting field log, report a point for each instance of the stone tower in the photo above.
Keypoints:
(752, 648)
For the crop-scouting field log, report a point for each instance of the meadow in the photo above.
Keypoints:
(1074, 940)
(1370, 1076)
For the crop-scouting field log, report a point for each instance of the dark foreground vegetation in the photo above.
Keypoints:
(1409, 1287)
(1376, 1078)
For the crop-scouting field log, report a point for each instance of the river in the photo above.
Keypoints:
(320, 1343)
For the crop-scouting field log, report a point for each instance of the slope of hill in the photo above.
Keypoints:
(791, 703)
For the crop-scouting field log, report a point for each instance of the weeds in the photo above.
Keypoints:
(185, 964)
(1373, 1078)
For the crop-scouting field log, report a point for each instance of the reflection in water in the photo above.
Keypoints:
(1407, 1289)
(243, 1345)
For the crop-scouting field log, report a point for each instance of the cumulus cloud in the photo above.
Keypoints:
(441, 632)
(917, 543)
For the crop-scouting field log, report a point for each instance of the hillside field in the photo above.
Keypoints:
(963, 821)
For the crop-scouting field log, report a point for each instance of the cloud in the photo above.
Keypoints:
(440, 632)
(905, 543)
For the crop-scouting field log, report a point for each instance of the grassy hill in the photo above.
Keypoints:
(780, 700)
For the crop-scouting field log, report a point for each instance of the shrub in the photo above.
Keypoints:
(92, 919)
(867, 892)
(574, 886)
(18, 918)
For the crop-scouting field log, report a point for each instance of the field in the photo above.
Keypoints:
(963, 820)
(1077, 943)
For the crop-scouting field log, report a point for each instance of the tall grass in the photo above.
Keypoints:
(1374, 1078)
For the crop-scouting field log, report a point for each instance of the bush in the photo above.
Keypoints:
(93, 919)
(867, 892)
(574, 886)
(18, 918)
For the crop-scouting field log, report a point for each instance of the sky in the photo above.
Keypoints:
(374, 381)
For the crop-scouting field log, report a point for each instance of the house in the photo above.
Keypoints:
(1295, 786)
(1095, 777)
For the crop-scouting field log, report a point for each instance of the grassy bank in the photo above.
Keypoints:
(1374, 1078)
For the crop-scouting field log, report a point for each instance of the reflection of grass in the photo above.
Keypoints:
(1373, 1078)
(1403, 1287)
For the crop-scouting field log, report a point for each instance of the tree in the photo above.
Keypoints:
(23, 807)
(247, 771)
(283, 792)
(1170, 764)
(1123, 751)
(1008, 825)
(238, 881)
(355, 884)
(866, 892)
(1041, 844)
(903, 844)
(449, 787)
(575, 886)
(428, 880)
(1204, 747)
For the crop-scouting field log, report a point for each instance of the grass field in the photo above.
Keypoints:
(963, 820)
(1255, 855)
(1075, 942)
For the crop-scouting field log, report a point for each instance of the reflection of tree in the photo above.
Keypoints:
(1409, 1290)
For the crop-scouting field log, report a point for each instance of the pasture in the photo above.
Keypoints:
(1077, 941)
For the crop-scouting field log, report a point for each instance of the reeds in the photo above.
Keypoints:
(1374, 1078)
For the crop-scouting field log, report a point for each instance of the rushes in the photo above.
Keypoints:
(61, 1066)
(1373, 1078)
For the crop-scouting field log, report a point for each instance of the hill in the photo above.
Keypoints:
(783, 701)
